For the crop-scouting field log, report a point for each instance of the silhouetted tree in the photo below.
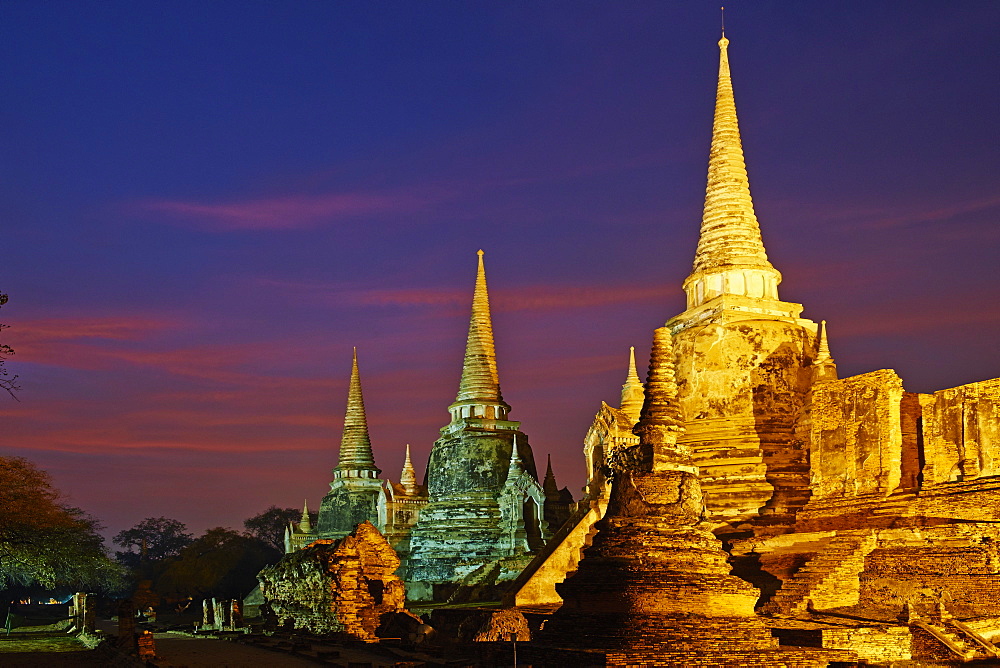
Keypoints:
(44, 544)
(152, 540)
(7, 382)
(269, 526)
(222, 563)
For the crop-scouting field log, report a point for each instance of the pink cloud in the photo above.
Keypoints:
(118, 328)
(570, 297)
(286, 213)
(885, 217)
(124, 440)
(215, 362)
(918, 315)
(535, 297)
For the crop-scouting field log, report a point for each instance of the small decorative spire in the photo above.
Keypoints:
(408, 478)
(823, 347)
(305, 526)
(515, 468)
(480, 382)
(355, 445)
(661, 406)
(549, 485)
(632, 392)
(661, 422)
(824, 368)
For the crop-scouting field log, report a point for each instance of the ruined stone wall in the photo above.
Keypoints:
(877, 645)
(964, 501)
(742, 386)
(967, 576)
(911, 457)
(857, 438)
(961, 432)
(343, 586)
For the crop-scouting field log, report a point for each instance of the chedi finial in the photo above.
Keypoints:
(730, 258)
(480, 381)
(661, 421)
(632, 392)
(824, 368)
(408, 478)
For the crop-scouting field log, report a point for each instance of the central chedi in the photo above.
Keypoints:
(744, 357)
(655, 580)
(486, 506)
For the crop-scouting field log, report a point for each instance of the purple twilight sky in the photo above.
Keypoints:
(206, 205)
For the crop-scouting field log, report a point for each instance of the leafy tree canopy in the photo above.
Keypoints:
(44, 543)
(154, 538)
(222, 563)
(269, 526)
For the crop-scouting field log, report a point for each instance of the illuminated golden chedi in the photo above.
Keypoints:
(743, 356)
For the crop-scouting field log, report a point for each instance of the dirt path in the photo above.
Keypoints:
(178, 651)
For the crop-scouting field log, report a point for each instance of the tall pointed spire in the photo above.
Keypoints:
(408, 478)
(480, 384)
(355, 445)
(730, 258)
(632, 392)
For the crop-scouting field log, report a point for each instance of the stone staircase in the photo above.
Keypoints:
(950, 638)
(828, 580)
(985, 647)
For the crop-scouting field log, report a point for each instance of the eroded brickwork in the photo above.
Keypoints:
(336, 586)
(655, 582)
(879, 645)
(961, 433)
(857, 436)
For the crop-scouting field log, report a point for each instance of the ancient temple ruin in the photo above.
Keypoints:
(656, 584)
(399, 507)
(346, 586)
(868, 516)
(481, 511)
(749, 495)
